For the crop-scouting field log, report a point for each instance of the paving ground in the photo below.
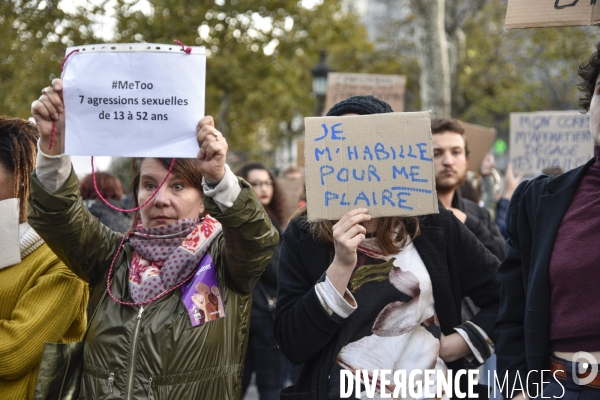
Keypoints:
(252, 392)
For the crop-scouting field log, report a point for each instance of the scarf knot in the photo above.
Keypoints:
(166, 255)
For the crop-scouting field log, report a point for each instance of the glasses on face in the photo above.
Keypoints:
(266, 184)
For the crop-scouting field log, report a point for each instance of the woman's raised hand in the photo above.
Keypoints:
(348, 233)
(47, 109)
(213, 150)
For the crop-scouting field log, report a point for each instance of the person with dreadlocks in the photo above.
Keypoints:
(41, 300)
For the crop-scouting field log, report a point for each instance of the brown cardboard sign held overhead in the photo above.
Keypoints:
(383, 162)
(300, 153)
(479, 141)
(389, 88)
(545, 13)
(291, 191)
(546, 139)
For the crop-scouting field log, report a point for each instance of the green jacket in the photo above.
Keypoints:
(155, 352)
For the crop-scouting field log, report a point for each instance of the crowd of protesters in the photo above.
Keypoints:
(502, 279)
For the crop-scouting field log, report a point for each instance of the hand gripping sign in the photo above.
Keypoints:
(383, 162)
(133, 100)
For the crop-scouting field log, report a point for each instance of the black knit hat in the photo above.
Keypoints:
(361, 105)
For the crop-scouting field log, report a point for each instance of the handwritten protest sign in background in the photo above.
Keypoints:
(542, 13)
(546, 139)
(133, 100)
(389, 88)
(291, 190)
(383, 162)
(479, 141)
(300, 153)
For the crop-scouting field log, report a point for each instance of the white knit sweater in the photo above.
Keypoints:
(29, 240)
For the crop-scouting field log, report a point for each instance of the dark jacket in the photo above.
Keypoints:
(534, 215)
(481, 224)
(116, 220)
(501, 216)
(267, 286)
(155, 352)
(458, 265)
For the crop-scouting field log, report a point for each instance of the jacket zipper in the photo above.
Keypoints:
(150, 389)
(133, 354)
(111, 381)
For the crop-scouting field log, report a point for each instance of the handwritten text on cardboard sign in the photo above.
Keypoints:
(382, 162)
(540, 140)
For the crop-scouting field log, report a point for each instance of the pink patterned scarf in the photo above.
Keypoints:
(166, 255)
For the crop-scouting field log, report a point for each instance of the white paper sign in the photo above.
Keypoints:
(9, 232)
(547, 139)
(133, 100)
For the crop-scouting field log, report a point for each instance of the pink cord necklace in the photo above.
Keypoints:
(141, 303)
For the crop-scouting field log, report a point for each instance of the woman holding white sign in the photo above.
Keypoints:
(365, 300)
(201, 232)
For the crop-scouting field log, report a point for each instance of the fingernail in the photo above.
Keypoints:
(54, 116)
(55, 87)
(59, 109)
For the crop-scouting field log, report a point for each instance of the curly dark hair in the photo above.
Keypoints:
(588, 73)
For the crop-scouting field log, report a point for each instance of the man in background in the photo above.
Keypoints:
(450, 159)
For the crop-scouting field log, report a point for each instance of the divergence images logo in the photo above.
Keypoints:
(584, 361)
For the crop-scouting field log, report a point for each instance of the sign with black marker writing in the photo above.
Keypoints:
(133, 100)
(479, 141)
(383, 162)
(546, 13)
(540, 140)
(389, 88)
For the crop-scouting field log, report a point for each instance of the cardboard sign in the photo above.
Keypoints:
(479, 141)
(300, 153)
(543, 13)
(389, 88)
(133, 100)
(292, 190)
(547, 139)
(383, 162)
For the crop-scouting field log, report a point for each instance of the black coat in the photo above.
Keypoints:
(481, 224)
(267, 286)
(458, 264)
(533, 218)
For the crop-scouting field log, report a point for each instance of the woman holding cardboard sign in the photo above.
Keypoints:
(202, 227)
(369, 296)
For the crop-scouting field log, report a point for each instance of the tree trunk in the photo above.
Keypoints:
(457, 13)
(433, 56)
